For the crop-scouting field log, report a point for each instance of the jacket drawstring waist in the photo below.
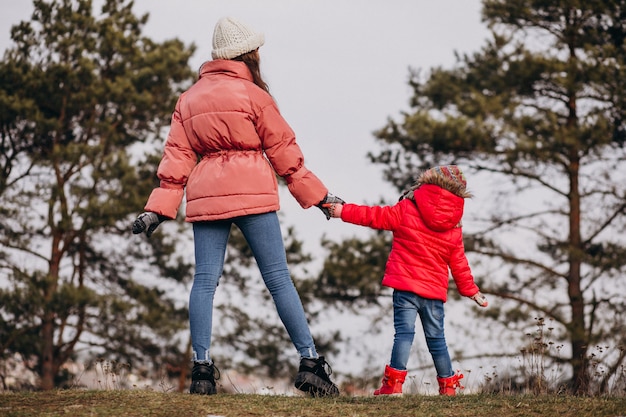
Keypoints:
(228, 152)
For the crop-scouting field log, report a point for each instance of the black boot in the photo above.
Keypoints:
(203, 376)
(313, 378)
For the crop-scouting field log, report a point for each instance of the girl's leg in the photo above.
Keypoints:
(263, 234)
(432, 316)
(404, 316)
(210, 239)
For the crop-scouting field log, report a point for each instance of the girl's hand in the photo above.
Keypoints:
(325, 204)
(480, 299)
(334, 209)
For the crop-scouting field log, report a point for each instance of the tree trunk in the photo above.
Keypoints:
(580, 375)
(49, 361)
(48, 371)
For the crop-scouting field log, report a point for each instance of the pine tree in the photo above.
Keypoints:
(82, 98)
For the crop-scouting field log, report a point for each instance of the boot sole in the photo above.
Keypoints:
(314, 385)
(202, 387)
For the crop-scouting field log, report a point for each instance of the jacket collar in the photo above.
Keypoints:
(227, 67)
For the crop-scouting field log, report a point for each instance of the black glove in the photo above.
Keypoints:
(147, 222)
(328, 200)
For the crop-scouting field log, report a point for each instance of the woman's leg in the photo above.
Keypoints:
(210, 239)
(404, 316)
(263, 234)
(432, 316)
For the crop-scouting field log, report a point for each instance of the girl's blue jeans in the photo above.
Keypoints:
(406, 307)
(263, 234)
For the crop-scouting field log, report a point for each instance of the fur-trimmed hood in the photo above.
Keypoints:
(449, 177)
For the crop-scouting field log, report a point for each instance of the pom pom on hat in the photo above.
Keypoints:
(451, 172)
(232, 38)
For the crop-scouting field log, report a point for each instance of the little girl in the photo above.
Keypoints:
(427, 244)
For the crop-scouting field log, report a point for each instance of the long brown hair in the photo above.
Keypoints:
(253, 62)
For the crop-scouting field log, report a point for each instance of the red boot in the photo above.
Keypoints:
(392, 382)
(448, 386)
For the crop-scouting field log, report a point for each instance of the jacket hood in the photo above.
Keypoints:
(439, 194)
(439, 208)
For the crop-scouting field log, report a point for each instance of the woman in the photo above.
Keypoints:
(226, 143)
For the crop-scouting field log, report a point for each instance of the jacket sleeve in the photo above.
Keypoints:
(460, 269)
(375, 217)
(279, 144)
(174, 169)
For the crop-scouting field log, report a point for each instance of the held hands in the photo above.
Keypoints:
(326, 204)
(147, 222)
(480, 299)
(334, 209)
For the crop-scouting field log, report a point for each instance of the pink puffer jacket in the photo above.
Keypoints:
(427, 242)
(227, 142)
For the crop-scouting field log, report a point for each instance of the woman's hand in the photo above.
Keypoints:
(334, 209)
(147, 222)
(325, 205)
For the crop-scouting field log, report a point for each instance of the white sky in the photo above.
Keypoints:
(337, 68)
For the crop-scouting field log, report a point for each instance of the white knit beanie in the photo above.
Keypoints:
(232, 38)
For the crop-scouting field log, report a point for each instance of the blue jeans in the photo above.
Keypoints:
(406, 307)
(263, 234)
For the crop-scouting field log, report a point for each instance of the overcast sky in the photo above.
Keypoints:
(337, 68)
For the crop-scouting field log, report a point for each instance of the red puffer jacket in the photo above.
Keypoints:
(427, 242)
(227, 142)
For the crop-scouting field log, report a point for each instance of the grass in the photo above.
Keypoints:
(78, 403)
(541, 395)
